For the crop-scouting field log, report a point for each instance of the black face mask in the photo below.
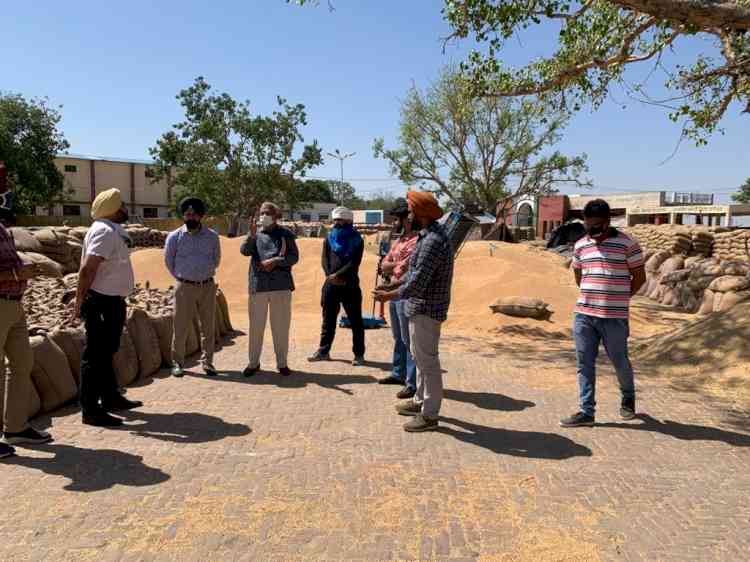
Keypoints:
(122, 217)
(596, 230)
(192, 224)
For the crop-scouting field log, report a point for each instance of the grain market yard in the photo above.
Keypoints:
(316, 466)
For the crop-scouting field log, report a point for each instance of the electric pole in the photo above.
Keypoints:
(341, 157)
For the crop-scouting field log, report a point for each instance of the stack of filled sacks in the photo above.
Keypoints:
(144, 237)
(732, 245)
(145, 345)
(703, 241)
(57, 253)
(697, 284)
(671, 238)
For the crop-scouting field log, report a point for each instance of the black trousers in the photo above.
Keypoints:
(104, 317)
(334, 297)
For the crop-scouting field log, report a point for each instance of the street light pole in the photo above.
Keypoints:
(341, 157)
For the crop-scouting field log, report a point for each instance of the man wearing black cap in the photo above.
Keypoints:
(394, 268)
(192, 254)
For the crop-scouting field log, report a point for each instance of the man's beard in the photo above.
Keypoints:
(121, 217)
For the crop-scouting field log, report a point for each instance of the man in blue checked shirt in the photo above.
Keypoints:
(427, 291)
(192, 254)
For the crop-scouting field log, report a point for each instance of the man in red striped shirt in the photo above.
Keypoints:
(609, 269)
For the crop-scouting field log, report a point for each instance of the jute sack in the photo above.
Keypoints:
(222, 300)
(163, 325)
(729, 284)
(51, 374)
(729, 300)
(523, 307)
(125, 361)
(34, 403)
(71, 341)
(145, 340)
(735, 268)
(672, 264)
(25, 242)
(654, 262)
(48, 267)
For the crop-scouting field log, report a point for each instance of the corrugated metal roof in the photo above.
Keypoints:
(107, 159)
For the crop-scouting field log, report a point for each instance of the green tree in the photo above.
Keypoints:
(231, 158)
(743, 193)
(312, 191)
(599, 39)
(29, 142)
(477, 151)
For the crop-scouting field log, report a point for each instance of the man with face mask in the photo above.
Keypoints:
(192, 254)
(104, 280)
(274, 252)
(609, 269)
(342, 255)
(395, 266)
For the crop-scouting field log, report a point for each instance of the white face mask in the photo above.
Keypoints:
(266, 221)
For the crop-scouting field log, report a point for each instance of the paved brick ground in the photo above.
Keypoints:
(317, 467)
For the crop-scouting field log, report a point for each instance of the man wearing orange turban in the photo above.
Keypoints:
(427, 292)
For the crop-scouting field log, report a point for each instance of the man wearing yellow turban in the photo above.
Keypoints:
(104, 280)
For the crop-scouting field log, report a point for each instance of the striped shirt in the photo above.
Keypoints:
(606, 274)
(192, 256)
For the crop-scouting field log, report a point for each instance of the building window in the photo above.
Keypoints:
(305, 217)
(323, 217)
(71, 168)
(150, 213)
(71, 210)
(148, 172)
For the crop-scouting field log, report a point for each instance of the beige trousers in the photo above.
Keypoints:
(190, 300)
(279, 304)
(424, 332)
(14, 343)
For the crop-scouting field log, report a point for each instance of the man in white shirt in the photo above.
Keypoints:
(104, 280)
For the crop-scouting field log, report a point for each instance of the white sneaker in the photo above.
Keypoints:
(177, 370)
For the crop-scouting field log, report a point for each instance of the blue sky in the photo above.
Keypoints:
(116, 67)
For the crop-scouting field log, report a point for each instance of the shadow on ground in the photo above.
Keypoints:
(92, 470)
(684, 431)
(527, 444)
(488, 401)
(298, 379)
(182, 427)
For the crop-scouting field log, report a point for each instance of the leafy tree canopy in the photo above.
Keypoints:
(743, 193)
(29, 142)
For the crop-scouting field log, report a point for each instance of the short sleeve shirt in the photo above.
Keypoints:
(115, 274)
(606, 277)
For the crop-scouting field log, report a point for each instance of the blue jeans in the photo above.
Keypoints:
(589, 331)
(404, 367)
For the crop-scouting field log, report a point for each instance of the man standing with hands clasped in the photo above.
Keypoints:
(427, 292)
(273, 253)
(609, 269)
(192, 254)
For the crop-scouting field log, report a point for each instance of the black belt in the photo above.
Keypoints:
(11, 297)
(209, 280)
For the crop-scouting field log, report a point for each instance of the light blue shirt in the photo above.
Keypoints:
(192, 257)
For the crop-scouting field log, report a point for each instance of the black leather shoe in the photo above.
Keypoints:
(285, 371)
(250, 371)
(101, 419)
(121, 403)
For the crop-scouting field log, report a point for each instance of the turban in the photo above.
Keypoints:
(106, 204)
(196, 204)
(400, 208)
(342, 213)
(424, 205)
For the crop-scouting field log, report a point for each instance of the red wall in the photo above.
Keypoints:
(553, 210)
